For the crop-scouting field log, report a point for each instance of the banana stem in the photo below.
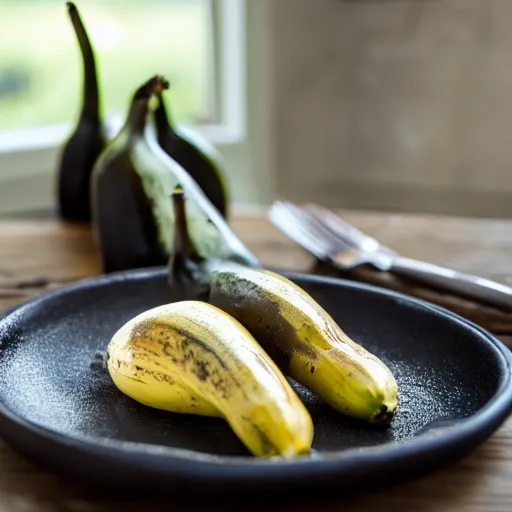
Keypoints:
(91, 103)
(183, 244)
(186, 267)
(140, 102)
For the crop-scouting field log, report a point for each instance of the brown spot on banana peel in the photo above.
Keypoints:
(134, 379)
(186, 340)
(248, 303)
(267, 447)
(158, 376)
(178, 350)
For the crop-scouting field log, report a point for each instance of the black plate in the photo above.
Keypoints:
(59, 407)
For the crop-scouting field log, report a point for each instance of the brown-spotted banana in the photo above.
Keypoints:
(298, 334)
(190, 357)
(306, 342)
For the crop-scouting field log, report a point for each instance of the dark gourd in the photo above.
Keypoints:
(124, 214)
(196, 158)
(133, 181)
(86, 142)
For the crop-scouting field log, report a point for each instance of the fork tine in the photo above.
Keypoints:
(318, 229)
(290, 223)
(306, 230)
(341, 228)
(303, 222)
(296, 234)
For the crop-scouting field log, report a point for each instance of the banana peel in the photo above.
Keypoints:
(189, 357)
(300, 336)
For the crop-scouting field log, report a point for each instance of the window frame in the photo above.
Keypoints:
(28, 158)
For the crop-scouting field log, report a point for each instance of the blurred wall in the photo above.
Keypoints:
(394, 104)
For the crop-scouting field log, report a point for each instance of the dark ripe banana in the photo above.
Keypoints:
(299, 335)
(195, 156)
(86, 142)
(190, 357)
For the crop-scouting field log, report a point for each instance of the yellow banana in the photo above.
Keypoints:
(305, 342)
(297, 333)
(190, 357)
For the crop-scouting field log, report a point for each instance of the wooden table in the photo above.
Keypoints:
(36, 255)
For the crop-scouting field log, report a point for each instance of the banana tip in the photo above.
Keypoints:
(178, 193)
(384, 416)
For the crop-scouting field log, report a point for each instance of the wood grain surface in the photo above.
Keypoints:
(38, 255)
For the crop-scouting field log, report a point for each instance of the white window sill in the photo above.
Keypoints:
(29, 160)
(17, 141)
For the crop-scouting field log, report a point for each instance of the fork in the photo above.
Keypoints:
(336, 242)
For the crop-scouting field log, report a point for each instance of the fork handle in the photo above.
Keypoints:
(472, 287)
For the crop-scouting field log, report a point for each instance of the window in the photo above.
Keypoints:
(40, 73)
(196, 44)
